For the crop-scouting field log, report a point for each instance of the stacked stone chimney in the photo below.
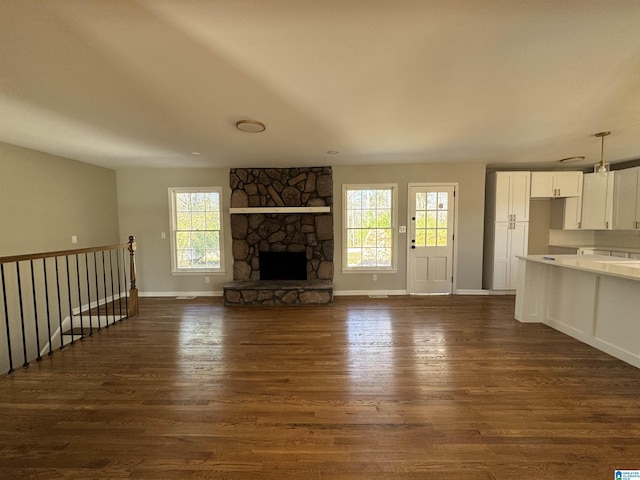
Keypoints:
(254, 232)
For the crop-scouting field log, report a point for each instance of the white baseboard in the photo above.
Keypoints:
(337, 293)
(207, 293)
(345, 293)
(403, 292)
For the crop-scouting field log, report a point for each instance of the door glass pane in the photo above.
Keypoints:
(431, 237)
(442, 219)
(431, 219)
(443, 200)
(431, 200)
(442, 238)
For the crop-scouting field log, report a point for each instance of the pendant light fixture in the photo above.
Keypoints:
(602, 167)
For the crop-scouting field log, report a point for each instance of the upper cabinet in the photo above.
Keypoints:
(626, 199)
(597, 201)
(556, 184)
(572, 213)
(508, 196)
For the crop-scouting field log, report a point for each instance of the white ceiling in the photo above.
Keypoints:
(147, 82)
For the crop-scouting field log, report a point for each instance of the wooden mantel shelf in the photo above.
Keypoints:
(280, 210)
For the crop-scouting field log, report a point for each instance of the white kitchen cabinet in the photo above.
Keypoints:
(582, 297)
(556, 184)
(572, 213)
(597, 201)
(508, 196)
(626, 199)
(506, 227)
(511, 240)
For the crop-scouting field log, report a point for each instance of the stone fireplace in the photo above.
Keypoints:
(281, 210)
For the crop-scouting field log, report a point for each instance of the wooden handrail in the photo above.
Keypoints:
(32, 314)
(62, 253)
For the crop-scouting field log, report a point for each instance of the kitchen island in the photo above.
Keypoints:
(593, 298)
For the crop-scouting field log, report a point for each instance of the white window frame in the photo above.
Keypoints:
(394, 227)
(173, 226)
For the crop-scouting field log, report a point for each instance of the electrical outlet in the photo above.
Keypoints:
(74, 239)
(375, 278)
(403, 229)
(206, 279)
(163, 235)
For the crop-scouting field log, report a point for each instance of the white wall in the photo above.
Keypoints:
(469, 237)
(45, 199)
(144, 212)
(539, 226)
(143, 204)
(627, 239)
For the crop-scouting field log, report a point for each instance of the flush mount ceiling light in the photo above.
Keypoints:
(602, 167)
(250, 126)
(571, 159)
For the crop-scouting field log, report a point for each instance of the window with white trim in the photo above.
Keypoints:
(196, 230)
(369, 217)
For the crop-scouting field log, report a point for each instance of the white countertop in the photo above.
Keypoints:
(598, 264)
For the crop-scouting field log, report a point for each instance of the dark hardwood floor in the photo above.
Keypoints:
(405, 387)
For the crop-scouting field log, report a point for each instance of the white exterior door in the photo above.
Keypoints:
(431, 234)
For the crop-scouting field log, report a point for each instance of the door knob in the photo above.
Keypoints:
(413, 246)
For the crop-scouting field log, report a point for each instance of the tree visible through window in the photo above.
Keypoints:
(431, 219)
(197, 230)
(369, 218)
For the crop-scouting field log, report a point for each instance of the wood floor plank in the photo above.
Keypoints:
(405, 387)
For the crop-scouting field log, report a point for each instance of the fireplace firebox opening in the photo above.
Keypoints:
(283, 266)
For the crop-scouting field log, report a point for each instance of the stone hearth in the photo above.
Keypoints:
(279, 292)
(256, 231)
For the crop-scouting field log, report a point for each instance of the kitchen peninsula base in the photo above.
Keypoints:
(595, 300)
